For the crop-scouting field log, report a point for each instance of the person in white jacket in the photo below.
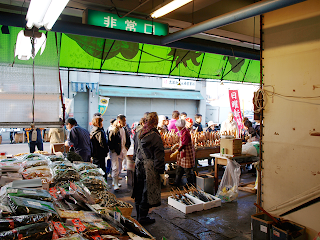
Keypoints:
(229, 126)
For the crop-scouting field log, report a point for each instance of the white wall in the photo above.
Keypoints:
(291, 163)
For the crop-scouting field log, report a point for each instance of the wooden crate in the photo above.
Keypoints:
(60, 147)
(231, 146)
(18, 137)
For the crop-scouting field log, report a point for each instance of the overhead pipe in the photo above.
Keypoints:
(193, 44)
(234, 16)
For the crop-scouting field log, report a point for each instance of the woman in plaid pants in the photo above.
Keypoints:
(185, 154)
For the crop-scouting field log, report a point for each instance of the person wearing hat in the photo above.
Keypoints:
(185, 154)
(189, 124)
(211, 126)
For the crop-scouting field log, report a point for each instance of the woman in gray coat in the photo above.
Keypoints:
(149, 164)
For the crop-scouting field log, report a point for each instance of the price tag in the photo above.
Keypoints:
(59, 228)
(29, 192)
(96, 236)
(55, 235)
(78, 224)
(73, 186)
(96, 206)
(11, 223)
(63, 191)
(276, 233)
(117, 216)
(53, 192)
(263, 229)
(34, 203)
(12, 190)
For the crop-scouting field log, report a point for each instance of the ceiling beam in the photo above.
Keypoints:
(231, 17)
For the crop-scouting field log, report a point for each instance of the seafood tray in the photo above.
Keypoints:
(207, 205)
(198, 206)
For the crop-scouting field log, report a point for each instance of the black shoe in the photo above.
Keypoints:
(146, 220)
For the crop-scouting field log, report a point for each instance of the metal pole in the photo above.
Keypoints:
(259, 191)
(234, 16)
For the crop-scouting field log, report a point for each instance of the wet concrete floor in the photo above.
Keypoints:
(230, 221)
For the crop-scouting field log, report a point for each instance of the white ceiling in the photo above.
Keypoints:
(242, 33)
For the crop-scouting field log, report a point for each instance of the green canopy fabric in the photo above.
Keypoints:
(84, 52)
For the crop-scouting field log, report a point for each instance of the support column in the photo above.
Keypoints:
(93, 106)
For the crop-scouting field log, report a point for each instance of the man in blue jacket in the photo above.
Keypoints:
(79, 138)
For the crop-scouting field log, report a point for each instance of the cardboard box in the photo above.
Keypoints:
(288, 231)
(261, 225)
(231, 146)
(205, 183)
(207, 205)
(186, 208)
(18, 137)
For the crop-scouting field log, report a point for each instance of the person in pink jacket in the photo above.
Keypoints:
(172, 122)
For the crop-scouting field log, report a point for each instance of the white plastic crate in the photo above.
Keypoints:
(207, 205)
(198, 206)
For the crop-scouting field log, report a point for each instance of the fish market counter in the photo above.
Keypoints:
(201, 153)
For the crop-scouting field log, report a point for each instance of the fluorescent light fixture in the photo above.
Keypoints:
(24, 47)
(44, 13)
(171, 6)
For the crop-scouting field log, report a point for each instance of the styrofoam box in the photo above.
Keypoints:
(207, 205)
(198, 206)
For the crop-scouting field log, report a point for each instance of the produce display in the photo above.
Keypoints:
(77, 204)
(200, 139)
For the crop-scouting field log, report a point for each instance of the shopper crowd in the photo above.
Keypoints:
(108, 149)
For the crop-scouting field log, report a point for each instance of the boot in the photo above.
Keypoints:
(144, 219)
(116, 186)
(138, 211)
(119, 184)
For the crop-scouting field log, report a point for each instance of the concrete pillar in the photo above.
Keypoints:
(93, 97)
(202, 103)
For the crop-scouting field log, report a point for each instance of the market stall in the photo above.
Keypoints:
(50, 197)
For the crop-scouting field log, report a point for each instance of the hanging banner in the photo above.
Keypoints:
(103, 104)
(235, 107)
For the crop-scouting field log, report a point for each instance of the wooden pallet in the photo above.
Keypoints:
(248, 187)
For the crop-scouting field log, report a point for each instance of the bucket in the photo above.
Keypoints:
(130, 165)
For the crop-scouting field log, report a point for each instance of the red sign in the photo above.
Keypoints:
(235, 107)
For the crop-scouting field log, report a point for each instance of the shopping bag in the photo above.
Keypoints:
(228, 189)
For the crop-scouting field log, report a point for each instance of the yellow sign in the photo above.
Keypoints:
(103, 104)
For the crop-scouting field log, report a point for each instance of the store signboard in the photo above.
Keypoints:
(235, 107)
(178, 84)
(109, 20)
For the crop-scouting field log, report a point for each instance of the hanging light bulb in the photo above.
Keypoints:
(24, 45)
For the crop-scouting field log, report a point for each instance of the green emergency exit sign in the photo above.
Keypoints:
(109, 20)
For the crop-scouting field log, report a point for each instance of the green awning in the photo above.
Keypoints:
(82, 52)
